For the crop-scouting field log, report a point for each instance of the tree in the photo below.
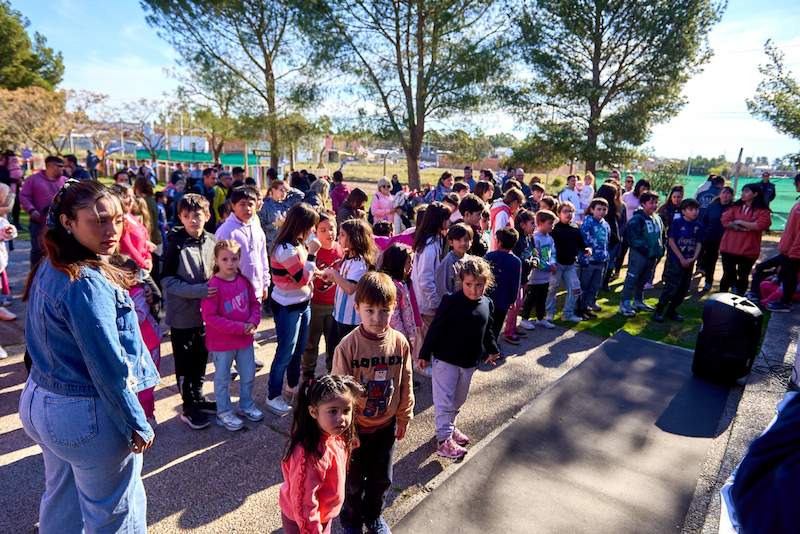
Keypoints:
(142, 116)
(24, 63)
(258, 42)
(777, 98)
(42, 119)
(667, 175)
(503, 140)
(416, 60)
(462, 146)
(610, 70)
(292, 130)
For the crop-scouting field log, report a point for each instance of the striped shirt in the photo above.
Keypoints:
(291, 274)
(344, 305)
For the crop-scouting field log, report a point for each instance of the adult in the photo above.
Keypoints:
(277, 202)
(519, 175)
(91, 164)
(237, 173)
(712, 235)
(468, 177)
(340, 191)
(222, 190)
(396, 185)
(206, 188)
(353, 207)
(122, 177)
(88, 362)
(72, 169)
(382, 207)
(629, 181)
(178, 174)
(318, 196)
(11, 174)
(484, 190)
(705, 185)
(786, 262)
(36, 196)
(707, 196)
(767, 188)
(443, 187)
(615, 219)
(570, 194)
(740, 247)
(299, 180)
(195, 175)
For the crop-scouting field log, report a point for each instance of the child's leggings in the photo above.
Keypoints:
(147, 397)
(450, 388)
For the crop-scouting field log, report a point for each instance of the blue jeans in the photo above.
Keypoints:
(569, 275)
(291, 327)
(245, 365)
(639, 269)
(591, 277)
(93, 482)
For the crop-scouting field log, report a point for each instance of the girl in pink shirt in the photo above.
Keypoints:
(134, 241)
(231, 315)
(315, 464)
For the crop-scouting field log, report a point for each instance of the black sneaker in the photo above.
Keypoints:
(195, 419)
(677, 317)
(206, 406)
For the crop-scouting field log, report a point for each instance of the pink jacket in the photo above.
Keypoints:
(403, 319)
(133, 241)
(226, 313)
(382, 207)
(312, 492)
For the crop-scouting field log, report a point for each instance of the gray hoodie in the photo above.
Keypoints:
(188, 265)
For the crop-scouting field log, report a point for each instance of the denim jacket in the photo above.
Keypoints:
(84, 340)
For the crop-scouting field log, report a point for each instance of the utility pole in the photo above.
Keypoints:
(736, 171)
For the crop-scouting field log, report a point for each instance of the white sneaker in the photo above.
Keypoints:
(6, 315)
(253, 414)
(527, 324)
(278, 406)
(229, 421)
(544, 323)
(3, 353)
(571, 318)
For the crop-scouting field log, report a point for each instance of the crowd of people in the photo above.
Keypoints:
(433, 282)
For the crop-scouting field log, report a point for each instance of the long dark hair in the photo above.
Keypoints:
(758, 201)
(61, 248)
(356, 199)
(394, 260)
(362, 241)
(299, 219)
(435, 216)
(637, 189)
(305, 429)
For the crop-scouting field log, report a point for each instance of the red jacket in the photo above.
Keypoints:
(790, 240)
(744, 243)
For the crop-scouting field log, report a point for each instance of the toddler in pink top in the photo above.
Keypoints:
(315, 464)
(231, 317)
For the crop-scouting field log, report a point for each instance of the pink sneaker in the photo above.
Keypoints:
(460, 438)
(450, 449)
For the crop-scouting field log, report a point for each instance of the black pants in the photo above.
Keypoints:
(338, 331)
(623, 249)
(369, 477)
(735, 272)
(677, 280)
(498, 318)
(535, 297)
(764, 269)
(37, 231)
(709, 255)
(789, 270)
(191, 356)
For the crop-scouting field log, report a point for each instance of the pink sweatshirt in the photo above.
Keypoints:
(382, 207)
(312, 492)
(226, 313)
(133, 241)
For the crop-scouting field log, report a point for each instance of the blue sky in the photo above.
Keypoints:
(109, 48)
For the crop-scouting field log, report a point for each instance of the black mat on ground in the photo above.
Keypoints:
(615, 446)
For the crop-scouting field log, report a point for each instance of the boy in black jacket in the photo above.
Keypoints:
(569, 243)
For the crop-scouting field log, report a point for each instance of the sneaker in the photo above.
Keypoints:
(3, 353)
(196, 419)
(206, 406)
(626, 309)
(595, 308)
(229, 421)
(252, 414)
(6, 314)
(259, 364)
(459, 437)
(674, 316)
(278, 406)
(378, 526)
(658, 317)
(544, 323)
(527, 324)
(450, 449)
(779, 307)
(641, 306)
(513, 339)
(571, 318)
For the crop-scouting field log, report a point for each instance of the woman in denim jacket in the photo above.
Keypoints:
(89, 361)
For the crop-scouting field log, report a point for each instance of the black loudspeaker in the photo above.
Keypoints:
(728, 340)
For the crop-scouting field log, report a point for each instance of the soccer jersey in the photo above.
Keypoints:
(344, 305)
(686, 235)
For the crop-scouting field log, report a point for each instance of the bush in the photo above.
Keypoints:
(665, 177)
(555, 185)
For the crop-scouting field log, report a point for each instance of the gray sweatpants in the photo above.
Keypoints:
(450, 388)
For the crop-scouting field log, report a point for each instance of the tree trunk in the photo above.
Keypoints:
(413, 170)
(274, 149)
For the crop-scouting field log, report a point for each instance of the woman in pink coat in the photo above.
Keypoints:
(383, 204)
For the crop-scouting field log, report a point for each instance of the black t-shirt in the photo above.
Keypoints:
(569, 243)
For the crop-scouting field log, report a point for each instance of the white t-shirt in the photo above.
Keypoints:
(631, 204)
(572, 196)
(344, 305)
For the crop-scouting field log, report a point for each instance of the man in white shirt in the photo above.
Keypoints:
(570, 194)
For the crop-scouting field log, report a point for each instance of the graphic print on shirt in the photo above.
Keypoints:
(379, 391)
(325, 285)
(237, 303)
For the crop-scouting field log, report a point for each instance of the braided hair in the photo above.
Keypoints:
(305, 429)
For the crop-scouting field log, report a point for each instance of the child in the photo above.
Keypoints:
(460, 335)
(339, 192)
(459, 238)
(134, 239)
(471, 208)
(506, 269)
(315, 464)
(380, 359)
(294, 270)
(360, 256)
(644, 236)
(383, 229)
(534, 201)
(684, 246)
(329, 255)
(396, 261)
(7, 232)
(428, 249)
(525, 222)
(712, 234)
(569, 243)
(451, 202)
(549, 203)
(232, 316)
(503, 211)
(161, 206)
(188, 264)
(596, 234)
(539, 279)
